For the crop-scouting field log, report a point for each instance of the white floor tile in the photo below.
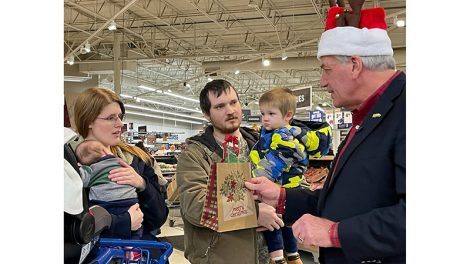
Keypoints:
(177, 257)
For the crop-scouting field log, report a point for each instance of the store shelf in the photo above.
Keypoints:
(324, 158)
(171, 159)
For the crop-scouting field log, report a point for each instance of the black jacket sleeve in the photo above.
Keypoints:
(151, 200)
(300, 201)
(117, 230)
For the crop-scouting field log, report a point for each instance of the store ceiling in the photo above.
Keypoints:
(164, 44)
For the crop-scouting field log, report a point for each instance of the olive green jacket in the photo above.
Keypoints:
(203, 245)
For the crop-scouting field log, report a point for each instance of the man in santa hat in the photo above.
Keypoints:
(360, 214)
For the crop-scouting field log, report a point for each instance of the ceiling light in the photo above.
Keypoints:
(284, 56)
(237, 72)
(146, 87)
(159, 91)
(266, 62)
(164, 104)
(400, 23)
(70, 59)
(87, 47)
(112, 26)
(163, 117)
(181, 97)
(76, 78)
(137, 100)
(162, 111)
(209, 79)
(185, 84)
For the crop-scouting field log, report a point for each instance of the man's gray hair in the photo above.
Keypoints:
(373, 63)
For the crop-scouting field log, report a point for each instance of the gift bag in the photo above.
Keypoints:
(229, 205)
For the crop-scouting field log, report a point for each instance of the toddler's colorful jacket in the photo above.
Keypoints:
(282, 155)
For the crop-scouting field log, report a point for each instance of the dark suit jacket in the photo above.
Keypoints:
(366, 195)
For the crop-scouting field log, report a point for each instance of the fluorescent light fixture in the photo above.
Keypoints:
(266, 62)
(76, 78)
(164, 117)
(163, 112)
(164, 104)
(137, 99)
(159, 91)
(237, 71)
(112, 26)
(284, 56)
(70, 59)
(181, 97)
(146, 88)
(169, 90)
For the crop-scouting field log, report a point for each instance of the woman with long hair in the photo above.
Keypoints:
(98, 115)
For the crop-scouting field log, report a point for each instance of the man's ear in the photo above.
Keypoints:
(207, 117)
(357, 66)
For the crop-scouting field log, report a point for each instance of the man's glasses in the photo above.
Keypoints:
(113, 118)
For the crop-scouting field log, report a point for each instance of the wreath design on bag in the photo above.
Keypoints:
(233, 187)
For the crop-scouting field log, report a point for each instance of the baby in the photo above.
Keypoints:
(97, 161)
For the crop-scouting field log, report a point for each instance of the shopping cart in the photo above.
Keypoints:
(120, 251)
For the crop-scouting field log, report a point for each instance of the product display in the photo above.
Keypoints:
(315, 175)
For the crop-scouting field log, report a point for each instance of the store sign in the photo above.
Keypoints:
(304, 97)
(317, 116)
(254, 119)
(245, 114)
(142, 129)
(343, 120)
(329, 118)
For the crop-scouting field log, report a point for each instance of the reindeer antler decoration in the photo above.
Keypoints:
(349, 17)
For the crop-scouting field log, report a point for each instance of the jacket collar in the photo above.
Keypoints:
(207, 139)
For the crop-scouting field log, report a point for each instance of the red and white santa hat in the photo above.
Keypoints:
(370, 39)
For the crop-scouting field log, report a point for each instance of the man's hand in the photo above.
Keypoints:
(312, 230)
(264, 190)
(268, 218)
